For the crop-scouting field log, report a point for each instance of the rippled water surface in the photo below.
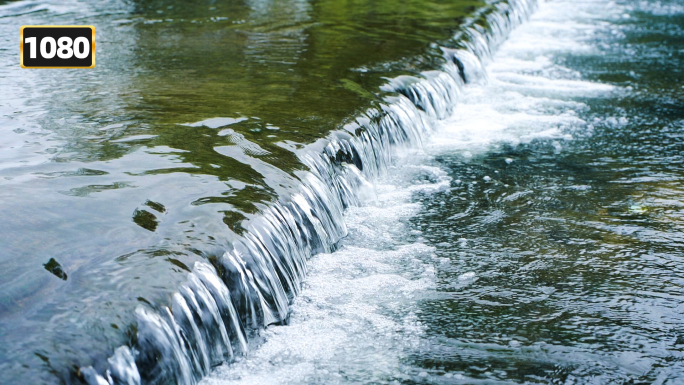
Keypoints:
(560, 259)
(525, 227)
(536, 239)
(114, 181)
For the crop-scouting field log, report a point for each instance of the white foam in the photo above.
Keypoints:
(356, 315)
(527, 96)
(356, 319)
(659, 8)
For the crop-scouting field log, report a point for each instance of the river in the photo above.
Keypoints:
(322, 192)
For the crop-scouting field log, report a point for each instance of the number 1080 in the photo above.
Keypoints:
(57, 46)
(64, 47)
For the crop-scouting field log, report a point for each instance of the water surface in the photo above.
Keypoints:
(114, 181)
(537, 237)
(525, 227)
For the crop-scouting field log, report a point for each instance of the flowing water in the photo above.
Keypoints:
(536, 238)
(196, 125)
(336, 192)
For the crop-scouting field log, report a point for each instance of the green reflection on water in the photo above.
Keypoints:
(304, 68)
(96, 147)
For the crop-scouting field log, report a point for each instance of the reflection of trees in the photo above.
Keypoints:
(296, 69)
(286, 62)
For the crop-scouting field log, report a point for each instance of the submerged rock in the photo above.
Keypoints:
(55, 268)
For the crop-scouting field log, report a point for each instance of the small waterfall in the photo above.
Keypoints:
(228, 299)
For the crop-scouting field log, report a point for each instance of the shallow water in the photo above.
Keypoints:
(533, 237)
(573, 242)
(537, 236)
(114, 181)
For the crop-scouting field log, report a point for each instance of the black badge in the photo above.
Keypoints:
(57, 46)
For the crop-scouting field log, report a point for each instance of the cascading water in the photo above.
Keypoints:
(216, 313)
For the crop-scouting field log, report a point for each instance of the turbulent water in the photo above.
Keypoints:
(344, 197)
(537, 235)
